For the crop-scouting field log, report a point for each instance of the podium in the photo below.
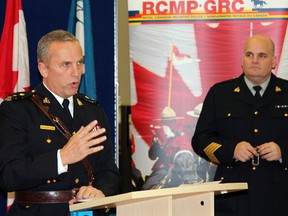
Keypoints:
(192, 200)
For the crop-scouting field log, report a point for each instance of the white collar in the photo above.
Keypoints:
(60, 99)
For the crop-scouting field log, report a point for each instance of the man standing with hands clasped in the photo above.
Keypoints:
(246, 134)
(52, 156)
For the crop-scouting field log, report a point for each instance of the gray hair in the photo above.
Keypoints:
(46, 41)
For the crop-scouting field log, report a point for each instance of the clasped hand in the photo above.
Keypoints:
(269, 151)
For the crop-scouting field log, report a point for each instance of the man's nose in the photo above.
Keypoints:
(255, 59)
(76, 69)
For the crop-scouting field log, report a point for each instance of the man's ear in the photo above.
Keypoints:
(275, 62)
(43, 69)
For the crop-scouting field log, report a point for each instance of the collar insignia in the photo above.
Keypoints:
(79, 102)
(46, 100)
(277, 89)
(237, 89)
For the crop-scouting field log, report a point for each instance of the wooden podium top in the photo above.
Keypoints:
(175, 192)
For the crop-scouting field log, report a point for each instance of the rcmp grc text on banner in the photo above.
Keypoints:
(178, 50)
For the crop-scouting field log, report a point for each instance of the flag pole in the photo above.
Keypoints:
(170, 76)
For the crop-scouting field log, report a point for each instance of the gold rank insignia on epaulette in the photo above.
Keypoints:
(210, 149)
(86, 98)
(89, 99)
(8, 98)
(17, 96)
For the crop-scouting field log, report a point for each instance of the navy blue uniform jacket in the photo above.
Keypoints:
(28, 150)
(231, 115)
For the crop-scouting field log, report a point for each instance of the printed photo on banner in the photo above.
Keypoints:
(178, 50)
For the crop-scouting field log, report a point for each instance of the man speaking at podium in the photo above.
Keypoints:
(54, 153)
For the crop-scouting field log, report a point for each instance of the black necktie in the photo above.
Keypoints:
(65, 104)
(257, 95)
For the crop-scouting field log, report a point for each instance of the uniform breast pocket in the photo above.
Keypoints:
(280, 176)
(230, 120)
(280, 112)
(46, 138)
(279, 119)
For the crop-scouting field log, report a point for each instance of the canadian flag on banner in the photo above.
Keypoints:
(178, 54)
(14, 59)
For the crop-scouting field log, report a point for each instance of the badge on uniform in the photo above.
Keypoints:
(81, 213)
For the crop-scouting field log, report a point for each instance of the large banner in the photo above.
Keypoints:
(178, 50)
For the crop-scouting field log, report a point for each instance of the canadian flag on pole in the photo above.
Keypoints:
(14, 59)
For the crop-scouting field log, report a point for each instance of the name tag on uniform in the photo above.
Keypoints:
(81, 213)
(47, 127)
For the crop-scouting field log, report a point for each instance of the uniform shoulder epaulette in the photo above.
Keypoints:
(88, 99)
(224, 82)
(18, 96)
(284, 80)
